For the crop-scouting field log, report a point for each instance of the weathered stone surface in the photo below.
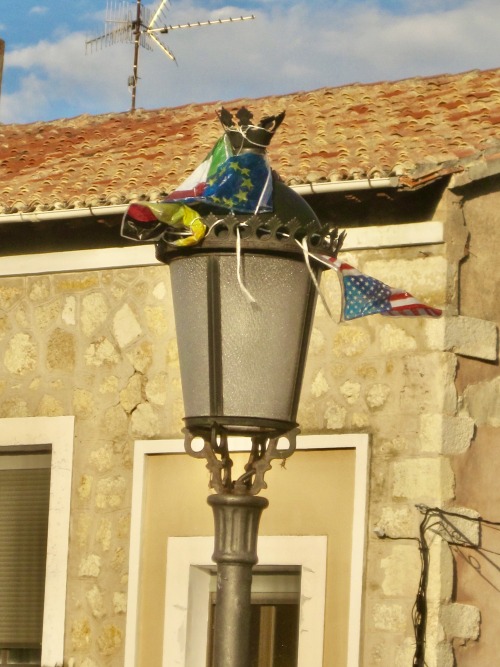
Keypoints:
(96, 602)
(85, 487)
(445, 434)
(68, 314)
(126, 327)
(141, 356)
(144, 421)
(351, 391)
(423, 479)
(463, 529)
(350, 341)
(401, 571)
(15, 407)
(335, 416)
(100, 353)
(104, 534)
(49, 406)
(4, 326)
(21, 355)
(469, 336)
(109, 640)
(424, 277)
(110, 492)
(76, 282)
(83, 404)
(90, 566)
(47, 314)
(461, 620)
(94, 312)
(390, 617)
(395, 339)
(61, 351)
(102, 459)
(39, 288)
(441, 576)
(80, 634)
(319, 385)
(115, 421)
(131, 396)
(156, 318)
(158, 389)
(10, 292)
(396, 521)
(377, 395)
(482, 402)
(119, 603)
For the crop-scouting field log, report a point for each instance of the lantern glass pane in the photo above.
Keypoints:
(260, 346)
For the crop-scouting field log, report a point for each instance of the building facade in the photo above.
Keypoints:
(399, 417)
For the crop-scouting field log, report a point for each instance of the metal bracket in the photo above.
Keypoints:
(219, 463)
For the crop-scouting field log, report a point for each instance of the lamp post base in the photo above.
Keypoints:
(236, 520)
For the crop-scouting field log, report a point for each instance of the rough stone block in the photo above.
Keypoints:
(441, 572)
(424, 277)
(445, 434)
(430, 479)
(126, 328)
(144, 421)
(94, 312)
(401, 571)
(21, 355)
(482, 402)
(462, 529)
(461, 620)
(389, 617)
(90, 566)
(468, 336)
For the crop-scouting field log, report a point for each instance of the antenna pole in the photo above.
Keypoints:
(137, 41)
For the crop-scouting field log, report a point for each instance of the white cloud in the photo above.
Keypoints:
(291, 46)
(38, 9)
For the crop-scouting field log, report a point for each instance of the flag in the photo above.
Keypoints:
(363, 295)
(148, 222)
(195, 184)
(238, 183)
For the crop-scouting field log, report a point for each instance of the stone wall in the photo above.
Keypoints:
(100, 345)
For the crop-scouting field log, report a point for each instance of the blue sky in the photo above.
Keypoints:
(291, 46)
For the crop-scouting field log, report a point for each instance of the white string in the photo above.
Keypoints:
(305, 250)
(247, 294)
(268, 178)
(239, 129)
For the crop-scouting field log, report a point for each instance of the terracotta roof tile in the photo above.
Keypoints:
(417, 129)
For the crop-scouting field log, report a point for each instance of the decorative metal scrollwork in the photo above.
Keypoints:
(220, 465)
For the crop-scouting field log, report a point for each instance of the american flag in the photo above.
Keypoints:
(364, 295)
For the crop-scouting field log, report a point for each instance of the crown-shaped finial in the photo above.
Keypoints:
(245, 134)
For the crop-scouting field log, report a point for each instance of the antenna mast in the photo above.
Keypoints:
(141, 30)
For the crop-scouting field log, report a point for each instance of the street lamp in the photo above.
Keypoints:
(244, 299)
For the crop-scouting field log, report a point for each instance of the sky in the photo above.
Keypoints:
(292, 45)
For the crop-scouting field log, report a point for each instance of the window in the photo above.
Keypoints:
(24, 513)
(171, 548)
(274, 622)
(36, 455)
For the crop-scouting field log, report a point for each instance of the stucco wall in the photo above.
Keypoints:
(478, 382)
(101, 345)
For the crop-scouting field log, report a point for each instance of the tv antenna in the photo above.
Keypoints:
(142, 29)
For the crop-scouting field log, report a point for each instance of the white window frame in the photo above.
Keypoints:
(188, 584)
(358, 442)
(57, 433)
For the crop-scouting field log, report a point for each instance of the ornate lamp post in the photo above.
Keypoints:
(244, 299)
